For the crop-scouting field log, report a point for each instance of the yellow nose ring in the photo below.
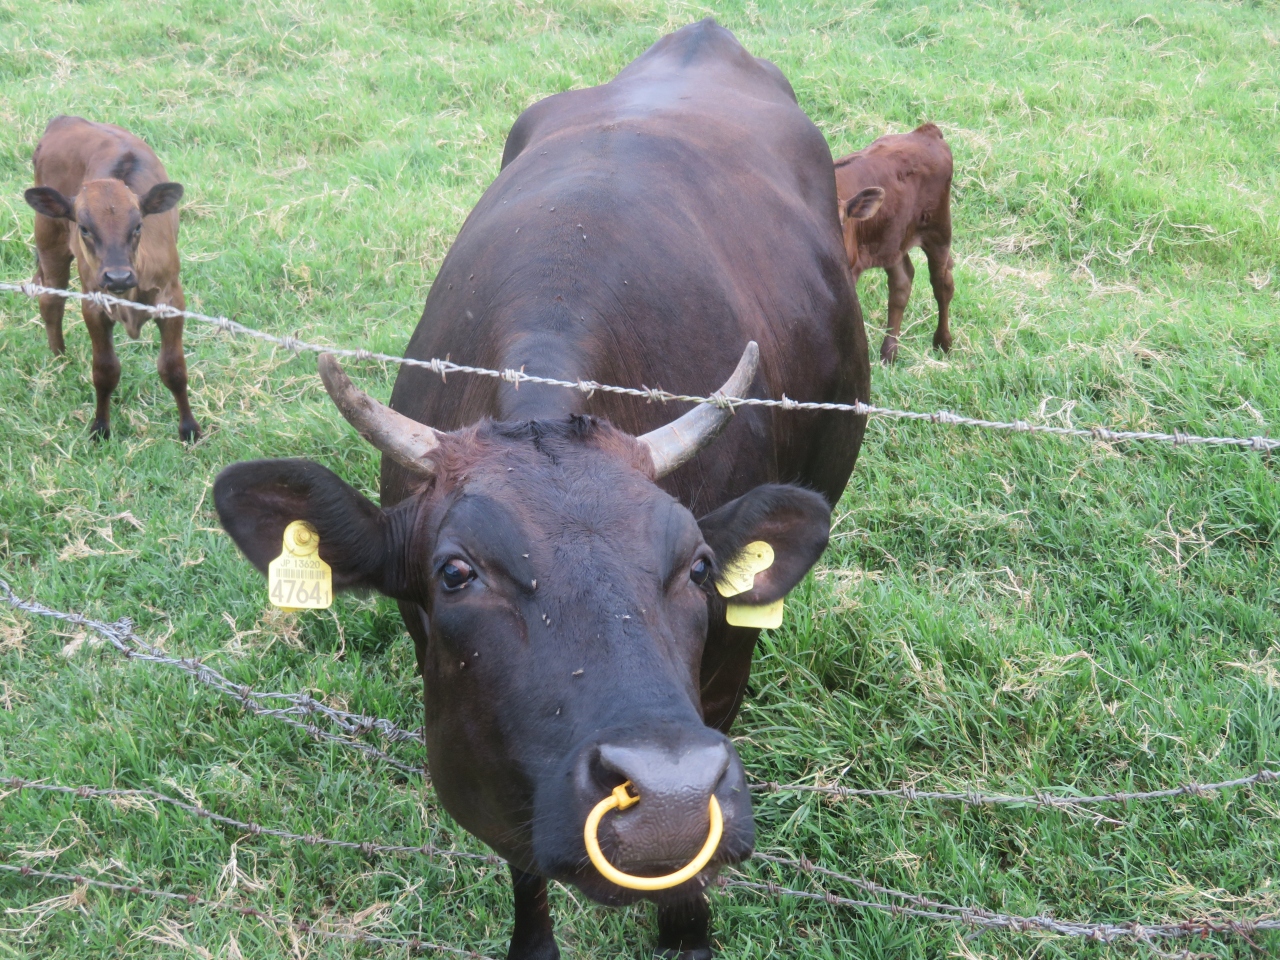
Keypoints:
(621, 799)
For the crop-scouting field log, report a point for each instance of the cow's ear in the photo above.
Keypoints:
(257, 499)
(795, 522)
(50, 203)
(161, 197)
(864, 204)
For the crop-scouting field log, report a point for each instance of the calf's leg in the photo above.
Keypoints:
(684, 930)
(533, 937)
(941, 263)
(53, 269)
(900, 276)
(106, 365)
(173, 370)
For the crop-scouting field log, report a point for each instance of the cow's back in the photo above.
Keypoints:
(641, 232)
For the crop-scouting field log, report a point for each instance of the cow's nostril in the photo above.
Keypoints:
(119, 279)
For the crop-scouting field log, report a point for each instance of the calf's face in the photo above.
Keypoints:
(108, 219)
(863, 205)
(565, 599)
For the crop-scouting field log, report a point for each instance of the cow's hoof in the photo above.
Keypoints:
(889, 350)
(543, 949)
(189, 431)
(702, 953)
(942, 343)
(100, 430)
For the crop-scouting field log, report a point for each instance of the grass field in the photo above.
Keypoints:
(998, 613)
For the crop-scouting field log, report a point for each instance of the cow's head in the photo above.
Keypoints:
(108, 218)
(863, 205)
(565, 598)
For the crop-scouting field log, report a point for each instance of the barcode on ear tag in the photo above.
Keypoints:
(763, 616)
(298, 579)
(739, 574)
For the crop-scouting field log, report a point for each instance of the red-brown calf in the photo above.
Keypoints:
(895, 195)
(102, 198)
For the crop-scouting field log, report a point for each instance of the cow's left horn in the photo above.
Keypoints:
(680, 440)
(409, 443)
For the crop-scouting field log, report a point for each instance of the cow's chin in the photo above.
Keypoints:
(602, 891)
(736, 846)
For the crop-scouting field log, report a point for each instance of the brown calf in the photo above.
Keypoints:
(895, 195)
(103, 198)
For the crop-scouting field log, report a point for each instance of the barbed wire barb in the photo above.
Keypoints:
(1257, 444)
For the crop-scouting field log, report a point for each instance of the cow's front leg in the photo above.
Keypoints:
(172, 365)
(106, 365)
(533, 937)
(900, 276)
(53, 269)
(684, 930)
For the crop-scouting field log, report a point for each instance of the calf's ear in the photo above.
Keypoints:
(257, 499)
(161, 197)
(795, 522)
(864, 204)
(50, 203)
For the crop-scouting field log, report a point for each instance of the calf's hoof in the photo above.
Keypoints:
(189, 431)
(100, 430)
(889, 350)
(942, 342)
(675, 953)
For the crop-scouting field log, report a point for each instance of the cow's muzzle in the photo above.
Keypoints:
(118, 281)
(675, 770)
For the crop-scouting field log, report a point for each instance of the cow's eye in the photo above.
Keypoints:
(700, 570)
(456, 574)
(84, 231)
(137, 231)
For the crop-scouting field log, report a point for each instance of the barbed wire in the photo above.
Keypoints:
(121, 634)
(443, 368)
(306, 928)
(926, 909)
(1041, 798)
(912, 905)
(15, 785)
(122, 637)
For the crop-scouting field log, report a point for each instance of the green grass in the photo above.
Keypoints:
(996, 612)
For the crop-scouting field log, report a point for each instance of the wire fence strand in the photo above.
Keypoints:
(443, 368)
(910, 905)
(1041, 798)
(977, 917)
(16, 785)
(122, 638)
(319, 928)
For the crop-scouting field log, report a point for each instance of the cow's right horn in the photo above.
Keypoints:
(411, 444)
(680, 440)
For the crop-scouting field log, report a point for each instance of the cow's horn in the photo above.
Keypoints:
(409, 443)
(680, 440)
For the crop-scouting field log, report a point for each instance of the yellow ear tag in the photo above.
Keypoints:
(765, 616)
(740, 573)
(298, 579)
(739, 577)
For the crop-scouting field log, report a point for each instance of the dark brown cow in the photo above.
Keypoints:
(895, 195)
(102, 198)
(556, 568)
